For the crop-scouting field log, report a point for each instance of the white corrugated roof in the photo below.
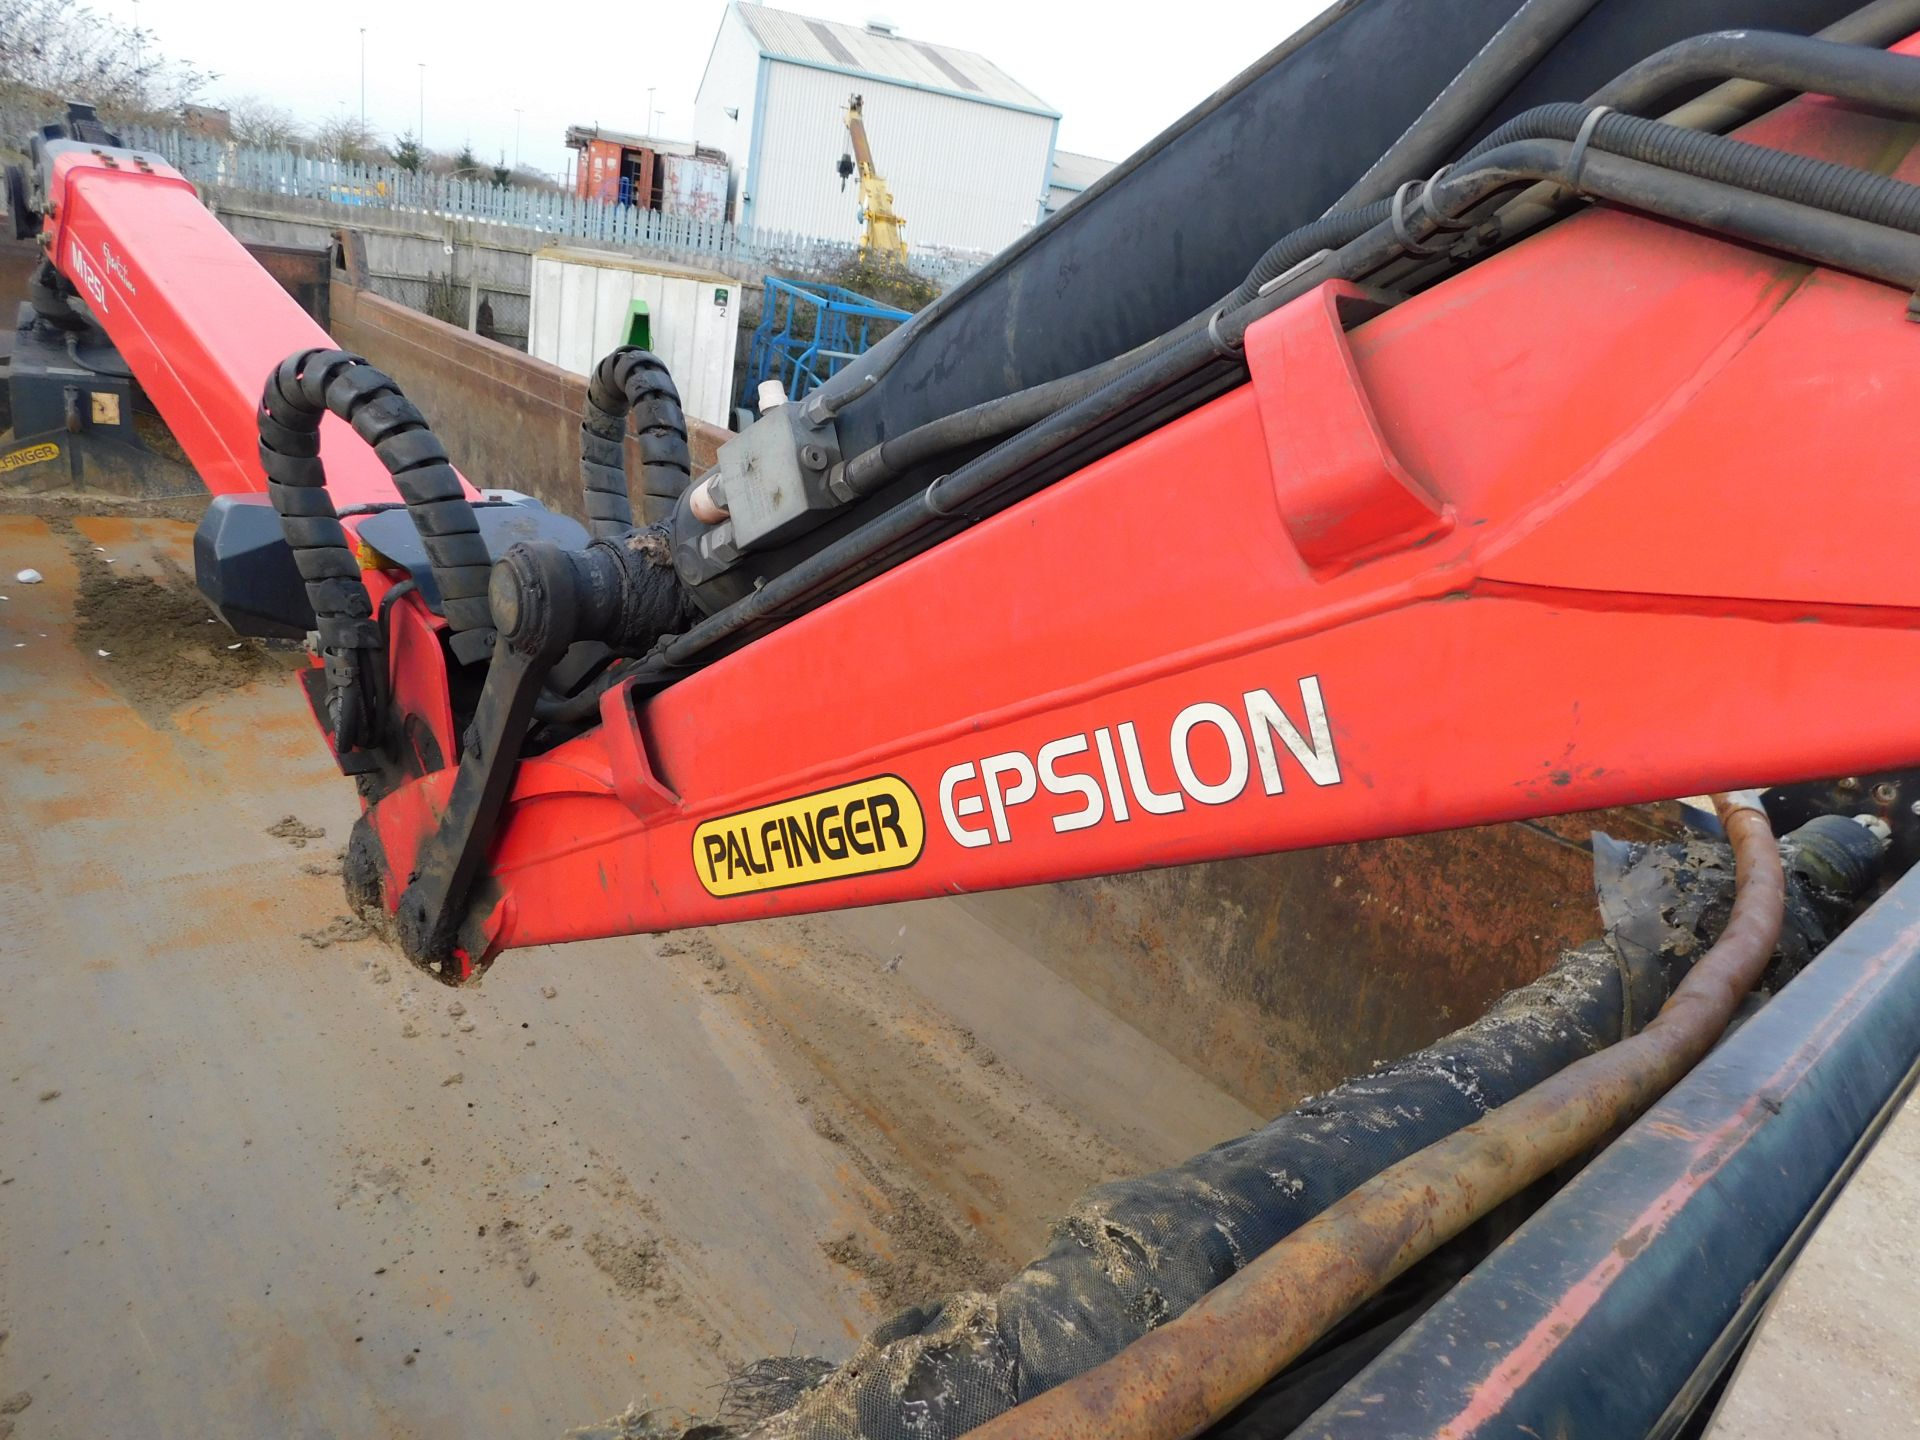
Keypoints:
(890, 57)
(1076, 172)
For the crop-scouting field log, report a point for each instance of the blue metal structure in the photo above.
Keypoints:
(807, 332)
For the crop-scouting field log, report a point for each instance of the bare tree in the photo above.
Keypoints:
(260, 124)
(51, 51)
(345, 138)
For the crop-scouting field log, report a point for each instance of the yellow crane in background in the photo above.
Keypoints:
(882, 240)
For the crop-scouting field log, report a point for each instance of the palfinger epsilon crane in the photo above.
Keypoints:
(1471, 412)
(880, 239)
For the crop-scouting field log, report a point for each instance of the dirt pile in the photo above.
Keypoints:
(154, 638)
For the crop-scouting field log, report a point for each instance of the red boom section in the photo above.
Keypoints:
(199, 323)
(1616, 515)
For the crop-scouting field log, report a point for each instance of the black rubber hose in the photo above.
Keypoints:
(1848, 71)
(1170, 376)
(1782, 174)
(310, 383)
(1795, 62)
(51, 297)
(1766, 213)
(1329, 232)
(870, 469)
(1514, 49)
(631, 380)
(1736, 101)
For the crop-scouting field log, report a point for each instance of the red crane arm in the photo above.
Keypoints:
(1613, 515)
(197, 320)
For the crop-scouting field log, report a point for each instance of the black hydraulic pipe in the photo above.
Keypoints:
(1770, 216)
(870, 469)
(1767, 220)
(1798, 63)
(1802, 179)
(1721, 108)
(1516, 47)
(1848, 71)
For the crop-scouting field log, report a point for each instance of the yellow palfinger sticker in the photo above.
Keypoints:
(28, 455)
(858, 829)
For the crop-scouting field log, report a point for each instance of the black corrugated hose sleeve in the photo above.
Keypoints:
(297, 485)
(1821, 184)
(313, 382)
(436, 500)
(1329, 232)
(631, 380)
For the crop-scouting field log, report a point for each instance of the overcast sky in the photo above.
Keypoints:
(1116, 80)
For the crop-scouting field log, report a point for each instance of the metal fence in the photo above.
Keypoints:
(352, 188)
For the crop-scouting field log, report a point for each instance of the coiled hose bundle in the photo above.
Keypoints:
(307, 386)
(631, 380)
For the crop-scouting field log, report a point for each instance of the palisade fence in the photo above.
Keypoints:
(351, 187)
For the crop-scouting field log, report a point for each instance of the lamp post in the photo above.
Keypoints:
(363, 78)
(422, 135)
(517, 113)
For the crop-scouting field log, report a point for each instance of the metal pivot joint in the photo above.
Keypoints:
(543, 599)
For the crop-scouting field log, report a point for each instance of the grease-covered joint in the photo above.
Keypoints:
(623, 593)
(1839, 853)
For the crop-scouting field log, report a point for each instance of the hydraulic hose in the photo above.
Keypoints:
(310, 383)
(349, 637)
(1800, 63)
(1847, 71)
(870, 469)
(631, 380)
(51, 297)
(1729, 104)
(1820, 184)
(1173, 377)
(1515, 48)
(1763, 211)
(1180, 1378)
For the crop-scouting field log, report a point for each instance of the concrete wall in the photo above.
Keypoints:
(425, 261)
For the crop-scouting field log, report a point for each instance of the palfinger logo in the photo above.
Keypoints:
(28, 455)
(857, 829)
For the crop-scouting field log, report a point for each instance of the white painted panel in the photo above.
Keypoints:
(612, 292)
(543, 317)
(580, 311)
(964, 176)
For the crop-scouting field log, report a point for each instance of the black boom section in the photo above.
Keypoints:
(1177, 226)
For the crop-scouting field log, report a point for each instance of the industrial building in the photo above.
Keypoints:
(966, 150)
(1071, 174)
